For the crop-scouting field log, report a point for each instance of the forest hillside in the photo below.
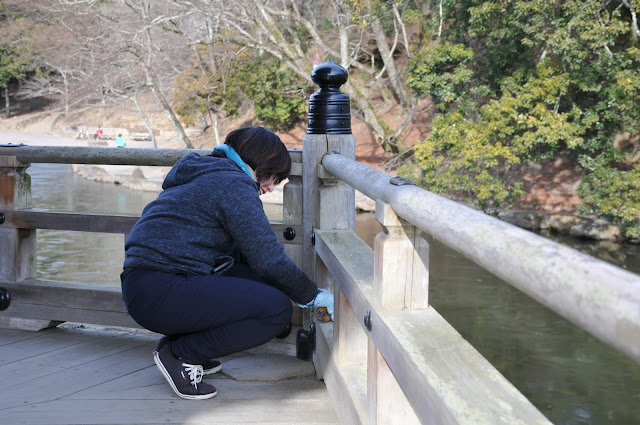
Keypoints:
(531, 105)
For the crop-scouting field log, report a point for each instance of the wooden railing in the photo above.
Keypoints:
(390, 357)
(34, 303)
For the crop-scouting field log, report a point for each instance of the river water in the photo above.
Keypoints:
(569, 375)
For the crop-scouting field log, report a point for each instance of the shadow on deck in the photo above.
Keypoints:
(76, 374)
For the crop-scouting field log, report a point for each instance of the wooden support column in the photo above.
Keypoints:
(401, 282)
(329, 204)
(337, 211)
(17, 246)
(292, 215)
(401, 273)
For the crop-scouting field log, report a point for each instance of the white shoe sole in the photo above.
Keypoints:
(167, 376)
(212, 370)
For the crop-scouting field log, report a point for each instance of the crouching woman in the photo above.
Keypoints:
(203, 266)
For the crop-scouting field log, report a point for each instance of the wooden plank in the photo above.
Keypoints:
(110, 377)
(102, 223)
(10, 336)
(279, 229)
(67, 314)
(214, 411)
(68, 220)
(347, 383)
(444, 378)
(87, 303)
(149, 384)
(82, 364)
(34, 344)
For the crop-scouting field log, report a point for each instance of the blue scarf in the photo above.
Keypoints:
(233, 155)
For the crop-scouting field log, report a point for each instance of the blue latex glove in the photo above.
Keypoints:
(323, 299)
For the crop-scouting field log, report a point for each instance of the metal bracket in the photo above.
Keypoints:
(2, 218)
(401, 181)
(367, 320)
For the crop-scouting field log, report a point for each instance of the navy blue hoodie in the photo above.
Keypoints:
(208, 207)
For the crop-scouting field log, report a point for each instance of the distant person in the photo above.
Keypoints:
(203, 266)
(120, 141)
(98, 134)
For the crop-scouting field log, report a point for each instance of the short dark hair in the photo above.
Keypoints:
(262, 150)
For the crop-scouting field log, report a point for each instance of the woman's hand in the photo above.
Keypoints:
(324, 299)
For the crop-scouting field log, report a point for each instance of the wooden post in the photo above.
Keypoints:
(401, 282)
(401, 270)
(17, 246)
(292, 215)
(328, 202)
(329, 130)
(337, 211)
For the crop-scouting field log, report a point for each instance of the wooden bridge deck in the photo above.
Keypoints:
(75, 374)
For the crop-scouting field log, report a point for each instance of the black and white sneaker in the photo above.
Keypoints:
(185, 378)
(208, 368)
(211, 366)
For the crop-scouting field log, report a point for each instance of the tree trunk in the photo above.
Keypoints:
(7, 103)
(146, 120)
(216, 130)
(370, 116)
(167, 108)
(389, 63)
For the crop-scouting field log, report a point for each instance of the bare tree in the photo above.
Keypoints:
(104, 51)
(213, 55)
(271, 26)
(155, 55)
(119, 50)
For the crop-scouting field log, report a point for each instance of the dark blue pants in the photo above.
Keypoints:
(207, 317)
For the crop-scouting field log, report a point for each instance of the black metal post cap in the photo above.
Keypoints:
(329, 108)
(5, 299)
(329, 74)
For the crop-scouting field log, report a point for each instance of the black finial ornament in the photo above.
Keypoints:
(329, 108)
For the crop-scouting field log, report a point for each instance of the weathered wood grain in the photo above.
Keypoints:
(63, 301)
(96, 375)
(444, 378)
(101, 223)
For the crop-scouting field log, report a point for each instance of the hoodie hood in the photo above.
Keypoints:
(193, 165)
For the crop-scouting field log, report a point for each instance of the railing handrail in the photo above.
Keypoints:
(107, 155)
(94, 155)
(601, 298)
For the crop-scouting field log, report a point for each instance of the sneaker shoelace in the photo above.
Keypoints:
(195, 373)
